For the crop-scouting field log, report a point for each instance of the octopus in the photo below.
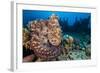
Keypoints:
(45, 38)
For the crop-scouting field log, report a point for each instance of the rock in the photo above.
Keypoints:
(78, 47)
(62, 57)
(88, 50)
(29, 58)
(77, 55)
(76, 41)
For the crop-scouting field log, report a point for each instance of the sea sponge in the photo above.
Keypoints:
(69, 39)
(68, 42)
(25, 38)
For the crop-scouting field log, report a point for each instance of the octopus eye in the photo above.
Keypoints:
(52, 40)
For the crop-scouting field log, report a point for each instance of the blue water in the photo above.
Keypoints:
(29, 15)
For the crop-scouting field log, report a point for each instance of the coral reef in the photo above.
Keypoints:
(45, 39)
(26, 41)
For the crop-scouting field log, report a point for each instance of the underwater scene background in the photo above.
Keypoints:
(56, 36)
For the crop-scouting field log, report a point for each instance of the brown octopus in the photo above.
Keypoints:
(45, 38)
